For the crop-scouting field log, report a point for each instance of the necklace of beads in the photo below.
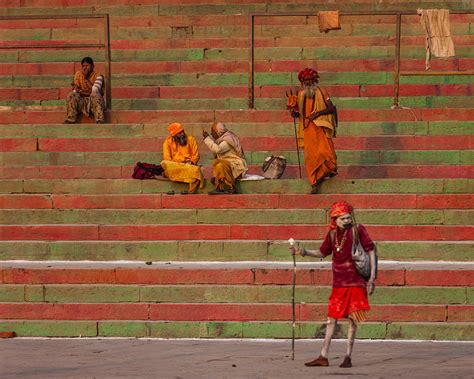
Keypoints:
(340, 245)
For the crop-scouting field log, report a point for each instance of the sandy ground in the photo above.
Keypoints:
(153, 358)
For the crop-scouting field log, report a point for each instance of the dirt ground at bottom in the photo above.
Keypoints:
(152, 358)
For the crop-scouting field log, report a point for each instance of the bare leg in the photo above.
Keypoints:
(322, 360)
(350, 343)
(330, 328)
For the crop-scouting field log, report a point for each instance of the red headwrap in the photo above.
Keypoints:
(308, 74)
(337, 210)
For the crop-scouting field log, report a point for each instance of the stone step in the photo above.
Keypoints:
(291, 172)
(392, 158)
(294, 186)
(252, 129)
(195, 7)
(219, 78)
(425, 274)
(244, 201)
(225, 312)
(461, 331)
(155, 232)
(237, 294)
(216, 251)
(260, 103)
(224, 53)
(294, 216)
(54, 69)
(364, 30)
(226, 116)
(340, 93)
(250, 144)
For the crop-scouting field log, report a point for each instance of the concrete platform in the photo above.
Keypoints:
(151, 358)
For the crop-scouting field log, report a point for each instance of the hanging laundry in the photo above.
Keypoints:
(329, 20)
(438, 34)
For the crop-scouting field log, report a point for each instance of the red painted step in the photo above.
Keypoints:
(214, 312)
(159, 67)
(247, 201)
(225, 275)
(216, 92)
(203, 116)
(291, 172)
(450, 142)
(224, 232)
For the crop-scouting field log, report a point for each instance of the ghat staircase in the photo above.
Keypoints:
(87, 251)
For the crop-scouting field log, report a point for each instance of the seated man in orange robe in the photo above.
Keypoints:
(180, 158)
(316, 128)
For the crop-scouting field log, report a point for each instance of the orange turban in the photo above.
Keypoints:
(337, 210)
(175, 128)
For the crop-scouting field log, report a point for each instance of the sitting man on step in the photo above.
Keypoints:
(180, 158)
(87, 96)
(229, 163)
(348, 297)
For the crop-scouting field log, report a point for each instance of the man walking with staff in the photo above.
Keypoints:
(348, 297)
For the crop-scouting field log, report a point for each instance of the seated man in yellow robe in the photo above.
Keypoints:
(180, 158)
(229, 163)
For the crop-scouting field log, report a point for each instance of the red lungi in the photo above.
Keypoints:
(345, 300)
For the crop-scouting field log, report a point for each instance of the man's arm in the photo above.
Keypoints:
(329, 106)
(193, 147)
(167, 151)
(216, 148)
(373, 272)
(306, 253)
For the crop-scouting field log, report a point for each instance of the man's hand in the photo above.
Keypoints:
(294, 113)
(205, 134)
(295, 250)
(370, 287)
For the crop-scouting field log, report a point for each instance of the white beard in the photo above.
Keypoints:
(309, 91)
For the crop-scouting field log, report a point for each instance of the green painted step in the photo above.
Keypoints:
(352, 28)
(227, 54)
(228, 79)
(262, 103)
(263, 186)
(231, 251)
(345, 157)
(241, 129)
(220, 294)
(224, 216)
(395, 330)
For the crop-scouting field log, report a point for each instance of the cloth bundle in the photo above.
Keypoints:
(438, 34)
(329, 20)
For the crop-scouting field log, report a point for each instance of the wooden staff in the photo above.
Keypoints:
(291, 241)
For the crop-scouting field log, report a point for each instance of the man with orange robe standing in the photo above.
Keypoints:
(316, 128)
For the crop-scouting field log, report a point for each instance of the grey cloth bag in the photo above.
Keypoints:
(360, 257)
(274, 167)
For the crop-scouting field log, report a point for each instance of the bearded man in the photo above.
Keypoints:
(316, 128)
(180, 158)
(348, 297)
(87, 96)
(229, 163)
